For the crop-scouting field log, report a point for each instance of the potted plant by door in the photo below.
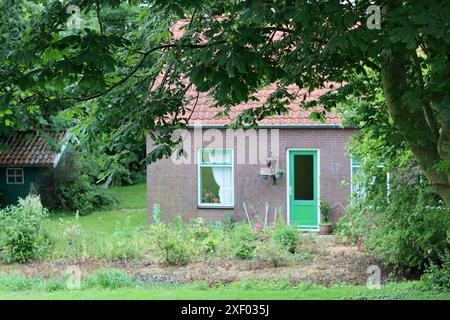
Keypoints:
(325, 225)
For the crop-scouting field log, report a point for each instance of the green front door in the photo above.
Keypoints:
(303, 189)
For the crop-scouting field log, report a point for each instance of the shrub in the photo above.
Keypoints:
(287, 236)
(262, 234)
(23, 236)
(124, 174)
(171, 246)
(244, 241)
(111, 279)
(354, 225)
(271, 254)
(405, 228)
(82, 196)
(245, 251)
(409, 237)
(76, 189)
(437, 278)
(395, 214)
(209, 245)
(198, 229)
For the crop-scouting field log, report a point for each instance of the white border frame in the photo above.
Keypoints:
(199, 198)
(15, 175)
(288, 176)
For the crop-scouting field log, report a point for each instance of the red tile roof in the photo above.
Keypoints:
(27, 149)
(204, 113)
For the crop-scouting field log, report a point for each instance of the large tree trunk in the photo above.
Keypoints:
(412, 122)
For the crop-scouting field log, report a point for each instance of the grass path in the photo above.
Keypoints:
(405, 290)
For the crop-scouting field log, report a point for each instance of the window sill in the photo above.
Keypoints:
(212, 206)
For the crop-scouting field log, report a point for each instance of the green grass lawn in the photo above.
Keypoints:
(115, 233)
(129, 213)
(104, 221)
(405, 290)
(131, 197)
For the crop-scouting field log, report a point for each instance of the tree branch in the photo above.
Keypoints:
(141, 62)
(192, 19)
(429, 116)
(193, 108)
(281, 29)
(98, 17)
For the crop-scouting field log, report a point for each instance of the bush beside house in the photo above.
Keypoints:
(437, 277)
(399, 219)
(76, 188)
(23, 235)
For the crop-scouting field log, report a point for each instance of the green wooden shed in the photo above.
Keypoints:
(27, 165)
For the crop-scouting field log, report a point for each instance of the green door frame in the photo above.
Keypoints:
(290, 188)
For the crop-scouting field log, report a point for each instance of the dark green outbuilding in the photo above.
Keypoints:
(27, 166)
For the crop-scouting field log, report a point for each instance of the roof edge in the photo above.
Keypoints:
(276, 126)
(59, 155)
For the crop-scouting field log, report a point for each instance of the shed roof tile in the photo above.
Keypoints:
(28, 149)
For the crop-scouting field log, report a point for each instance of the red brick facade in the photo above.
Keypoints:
(174, 186)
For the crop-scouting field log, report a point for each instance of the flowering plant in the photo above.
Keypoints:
(262, 233)
(199, 229)
(210, 197)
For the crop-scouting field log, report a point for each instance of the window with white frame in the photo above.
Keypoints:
(358, 190)
(215, 178)
(14, 176)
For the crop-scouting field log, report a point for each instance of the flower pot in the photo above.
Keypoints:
(263, 176)
(216, 200)
(325, 228)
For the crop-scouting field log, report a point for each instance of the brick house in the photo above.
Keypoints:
(284, 168)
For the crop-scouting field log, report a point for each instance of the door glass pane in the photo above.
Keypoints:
(304, 177)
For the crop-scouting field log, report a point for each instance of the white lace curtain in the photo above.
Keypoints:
(222, 175)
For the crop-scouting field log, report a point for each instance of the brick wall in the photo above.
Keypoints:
(174, 186)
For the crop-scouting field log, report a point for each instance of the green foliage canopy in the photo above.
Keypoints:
(229, 49)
